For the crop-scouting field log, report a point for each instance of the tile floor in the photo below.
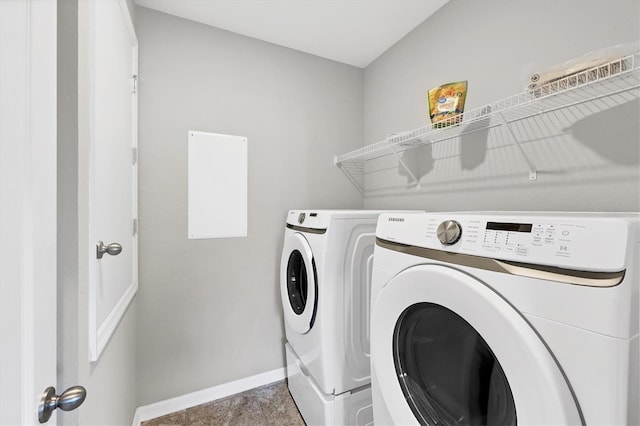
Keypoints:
(268, 405)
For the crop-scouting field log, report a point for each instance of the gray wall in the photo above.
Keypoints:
(131, 5)
(67, 200)
(209, 311)
(110, 382)
(587, 156)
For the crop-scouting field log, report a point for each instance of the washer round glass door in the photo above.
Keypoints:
(298, 287)
(447, 372)
(447, 349)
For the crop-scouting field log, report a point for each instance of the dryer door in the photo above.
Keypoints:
(298, 283)
(447, 349)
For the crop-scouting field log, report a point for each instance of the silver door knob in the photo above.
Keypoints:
(69, 400)
(113, 249)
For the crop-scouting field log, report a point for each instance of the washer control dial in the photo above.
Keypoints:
(449, 232)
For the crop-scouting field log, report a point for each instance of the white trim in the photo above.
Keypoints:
(136, 419)
(27, 183)
(90, 243)
(168, 406)
(99, 334)
(109, 325)
(27, 206)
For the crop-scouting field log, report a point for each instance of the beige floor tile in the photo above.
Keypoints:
(269, 405)
(239, 410)
(173, 419)
(277, 405)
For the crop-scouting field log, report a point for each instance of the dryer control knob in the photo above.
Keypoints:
(449, 232)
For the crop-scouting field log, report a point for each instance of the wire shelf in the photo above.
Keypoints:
(615, 77)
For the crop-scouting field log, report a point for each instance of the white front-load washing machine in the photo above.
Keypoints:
(325, 277)
(505, 318)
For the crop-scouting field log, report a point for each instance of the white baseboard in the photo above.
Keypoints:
(136, 418)
(162, 408)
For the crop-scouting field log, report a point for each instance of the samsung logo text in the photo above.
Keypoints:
(396, 219)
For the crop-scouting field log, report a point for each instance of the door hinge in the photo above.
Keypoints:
(135, 227)
(134, 155)
(135, 84)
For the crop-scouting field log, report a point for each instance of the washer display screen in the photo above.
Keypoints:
(512, 227)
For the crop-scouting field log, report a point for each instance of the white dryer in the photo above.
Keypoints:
(325, 277)
(505, 318)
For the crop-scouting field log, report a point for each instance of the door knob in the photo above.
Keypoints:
(113, 249)
(69, 400)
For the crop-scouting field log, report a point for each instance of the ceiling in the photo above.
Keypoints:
(353, 32)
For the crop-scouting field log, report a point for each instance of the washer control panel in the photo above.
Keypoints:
(585, 243)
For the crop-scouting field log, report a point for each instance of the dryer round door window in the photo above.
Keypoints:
(493, 368)
(447, 372)
(298, 283)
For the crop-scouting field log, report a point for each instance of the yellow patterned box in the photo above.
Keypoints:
(446, 103)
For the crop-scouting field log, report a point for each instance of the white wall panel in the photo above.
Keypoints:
(217, 185)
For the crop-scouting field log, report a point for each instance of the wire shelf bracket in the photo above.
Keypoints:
(416, 181)
(532, 170)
